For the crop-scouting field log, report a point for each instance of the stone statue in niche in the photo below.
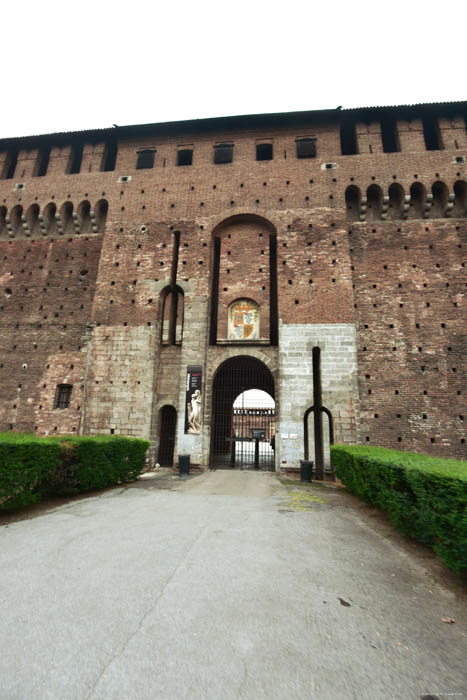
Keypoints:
(243, 320)
(194, 413)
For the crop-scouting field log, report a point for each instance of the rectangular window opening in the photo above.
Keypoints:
(432, 134)
(76, 156)
(306, 147)
(145, 159)
(185, 156)
(42, 163)
(264, 151)
(63, 396)
(10, 165)
(349, 146)
(109, 157)
(223, 153)
(389, 136)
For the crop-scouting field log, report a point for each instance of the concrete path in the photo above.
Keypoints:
(225, 585)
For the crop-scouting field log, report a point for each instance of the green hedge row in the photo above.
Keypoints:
(425, 497)
(32, 467)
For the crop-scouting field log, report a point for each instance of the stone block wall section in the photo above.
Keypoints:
(119, 381)
(339, 381)
(384, 299)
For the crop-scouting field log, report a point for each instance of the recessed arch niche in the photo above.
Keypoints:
(244, 266)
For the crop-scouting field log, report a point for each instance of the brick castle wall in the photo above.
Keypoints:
(85, 308)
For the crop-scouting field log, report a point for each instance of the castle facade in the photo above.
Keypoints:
(206, 283)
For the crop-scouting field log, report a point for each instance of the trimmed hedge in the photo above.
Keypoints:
(26, 462)
(32, 467)
(425, 497)
(98, 461)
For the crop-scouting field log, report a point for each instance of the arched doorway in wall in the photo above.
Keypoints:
(243, 415)
(167, 427)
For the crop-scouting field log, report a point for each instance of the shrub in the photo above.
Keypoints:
(32, 467)
(425, 497)
(98, 461)
(25, 463)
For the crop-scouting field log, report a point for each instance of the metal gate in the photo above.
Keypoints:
(167, 425)
(243, 426)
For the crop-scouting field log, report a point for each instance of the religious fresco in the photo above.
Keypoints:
(243, 320)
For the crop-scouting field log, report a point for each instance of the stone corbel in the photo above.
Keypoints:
(384, 208)
(405, 206)
(9, 227)
(42, 226)
(26, 228)
(94, 227)
(449, 206)
(76, 222)
(59, 222)
(363, 203)
(427, 205)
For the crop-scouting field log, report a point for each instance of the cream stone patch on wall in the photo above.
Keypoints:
(339, 385)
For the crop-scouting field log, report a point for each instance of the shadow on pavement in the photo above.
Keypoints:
(162, 479)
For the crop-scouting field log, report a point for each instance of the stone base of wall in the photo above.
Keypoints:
(337, 342)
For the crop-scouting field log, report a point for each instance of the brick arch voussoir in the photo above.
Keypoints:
(233, 216)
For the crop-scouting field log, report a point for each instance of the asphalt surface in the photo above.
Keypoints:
(224, 585)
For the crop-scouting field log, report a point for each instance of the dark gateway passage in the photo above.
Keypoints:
(243, 430)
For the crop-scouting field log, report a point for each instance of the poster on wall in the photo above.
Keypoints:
(243, 320)
(194, 380)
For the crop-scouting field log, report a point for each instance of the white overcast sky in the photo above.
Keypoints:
(71, 66)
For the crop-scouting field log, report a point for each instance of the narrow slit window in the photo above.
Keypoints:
(264, 151)
(63, 396)
(185, 156)
(306, 147)
(223, 153)
(145, 159)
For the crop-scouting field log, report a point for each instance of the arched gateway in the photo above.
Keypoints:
(243, 417)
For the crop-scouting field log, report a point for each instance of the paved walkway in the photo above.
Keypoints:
(225, 585)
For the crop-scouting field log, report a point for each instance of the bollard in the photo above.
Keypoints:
(184, 464)
(306, 469)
